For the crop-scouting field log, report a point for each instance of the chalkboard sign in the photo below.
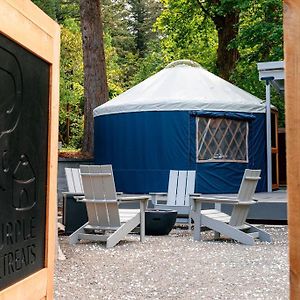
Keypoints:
(24, 97)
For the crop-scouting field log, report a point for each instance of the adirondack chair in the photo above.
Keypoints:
(181, 185)
(74, 213)
(233, 226)
(74, 181)
(106, 222)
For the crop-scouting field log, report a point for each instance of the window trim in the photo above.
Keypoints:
(222, 160)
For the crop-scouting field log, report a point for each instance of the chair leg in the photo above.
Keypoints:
(227, 230)
(263, 236)
(123, 231)
(197, 225)
(73, 238)
(143, 206)
(190, 222)
(217, 235)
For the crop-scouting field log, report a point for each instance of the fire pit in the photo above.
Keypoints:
(160, 222)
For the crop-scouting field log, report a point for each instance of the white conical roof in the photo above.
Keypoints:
(183, 85)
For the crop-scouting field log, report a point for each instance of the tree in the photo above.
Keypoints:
(260, 39)
(221, 32)
(225, 15)
(67, 9)
(143, 14)
(71, 86)
(129, 24)
(95, 80)
(199, 20)
(186, 33)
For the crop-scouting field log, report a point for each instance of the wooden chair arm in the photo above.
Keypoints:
(155, 197)
(214, 200)
(72, 194)
(134, 198)
(79, 198)
(158, 194)
(195, 195)
(96, 201)
(246, 202)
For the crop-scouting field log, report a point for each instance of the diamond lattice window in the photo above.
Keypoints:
(222, 140)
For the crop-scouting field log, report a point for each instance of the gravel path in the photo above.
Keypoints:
(175, 267)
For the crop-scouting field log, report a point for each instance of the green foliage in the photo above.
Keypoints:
(114, 71)
(71, 85)
(129, 24)
(149, 65)
(186, 33)
(261, 31)
(48, 6)
(142, 15)
(260, 39)
(115, 18)
(67, 9)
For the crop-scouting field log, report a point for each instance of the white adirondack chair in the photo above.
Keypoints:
(233, 226)
(106, 222)
(74, 181)
(75, 188)
(181, 185)
(74, 185)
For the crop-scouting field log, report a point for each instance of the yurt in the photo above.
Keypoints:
(182, 118)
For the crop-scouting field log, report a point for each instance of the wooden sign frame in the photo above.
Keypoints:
(291, 25)
(25, 24)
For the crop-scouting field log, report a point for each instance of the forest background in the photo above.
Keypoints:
(227, 37)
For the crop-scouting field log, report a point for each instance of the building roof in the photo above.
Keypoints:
(183, 85)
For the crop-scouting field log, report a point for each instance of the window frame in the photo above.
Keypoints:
(213, 160)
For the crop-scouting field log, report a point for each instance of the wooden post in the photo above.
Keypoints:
(292, 112)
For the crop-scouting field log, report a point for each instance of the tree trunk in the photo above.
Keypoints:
(95, 81)
(227, 27)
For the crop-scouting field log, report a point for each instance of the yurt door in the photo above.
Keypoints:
(274, 143)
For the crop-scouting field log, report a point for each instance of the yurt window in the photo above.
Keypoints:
(221, 139)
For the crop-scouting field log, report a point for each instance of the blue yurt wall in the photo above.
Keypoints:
(143, 147)
(152, 129)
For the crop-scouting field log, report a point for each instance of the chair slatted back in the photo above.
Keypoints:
(190, 186)
(181, 185)
(172, 187)
(246, 192)
(74, 181)
(100, 192)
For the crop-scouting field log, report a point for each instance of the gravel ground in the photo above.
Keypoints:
(175, 267)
